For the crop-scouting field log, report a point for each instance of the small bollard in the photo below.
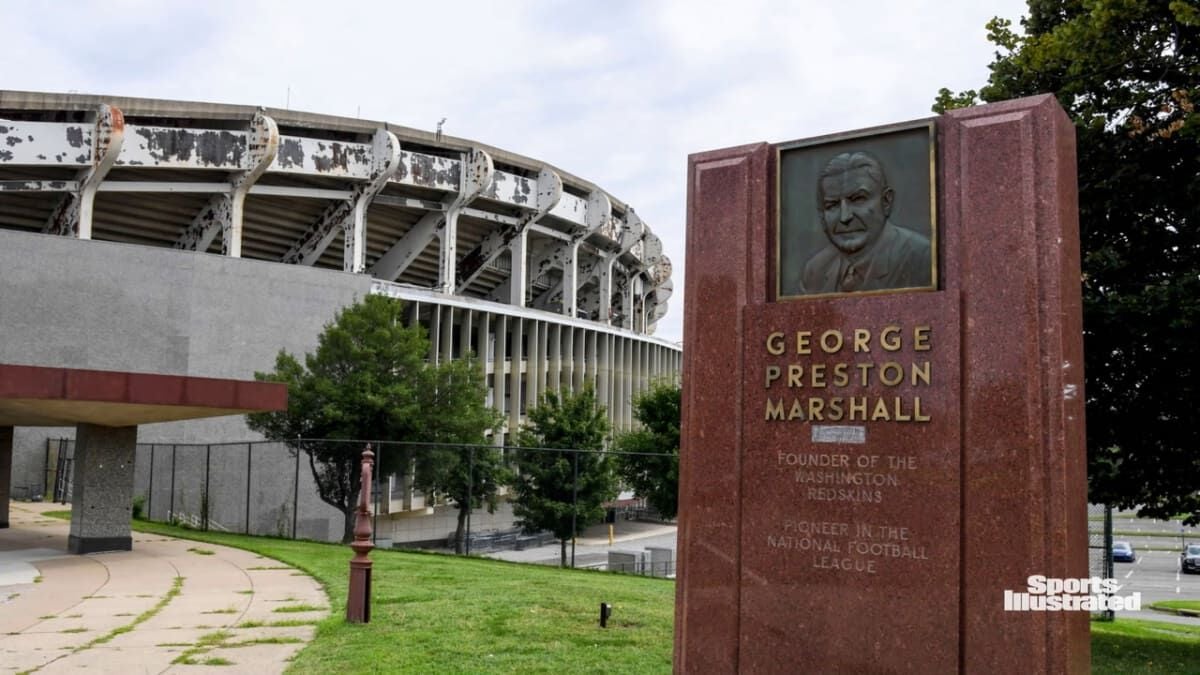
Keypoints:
(358, 600)
(605, 612)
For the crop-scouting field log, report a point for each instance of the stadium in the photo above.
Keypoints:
(199, 239)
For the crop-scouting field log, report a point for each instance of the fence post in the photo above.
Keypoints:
(375, 490)
(296, 492)
(574, 502)
(46, 474)
(1109, 615)
(207, 471)
(171, 513)
(249, 457)
(470, 496)
(150, 490)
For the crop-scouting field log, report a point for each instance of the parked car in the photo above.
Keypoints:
(1123, 552)
(1190, 559)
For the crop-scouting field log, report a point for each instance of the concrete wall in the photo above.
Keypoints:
(109, 306)
(443, 521)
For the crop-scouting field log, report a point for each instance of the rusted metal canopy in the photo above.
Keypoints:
(40, 396)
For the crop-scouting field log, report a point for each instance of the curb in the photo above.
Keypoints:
(1190, 613)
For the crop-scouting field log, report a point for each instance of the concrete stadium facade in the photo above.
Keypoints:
(199, 239)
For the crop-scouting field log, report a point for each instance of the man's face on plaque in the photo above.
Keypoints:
(854, 209)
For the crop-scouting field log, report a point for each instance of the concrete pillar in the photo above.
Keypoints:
(500, 372)
(515, 376)
(6, 453)
(102, 489)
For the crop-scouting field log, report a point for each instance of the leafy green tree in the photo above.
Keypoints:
(1128, 74)
(563, 491)
(458, 464)
(649, 459)
(363, 382)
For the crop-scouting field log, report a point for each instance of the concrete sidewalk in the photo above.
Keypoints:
(155, 609)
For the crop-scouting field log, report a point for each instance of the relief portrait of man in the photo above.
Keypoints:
(864, 250)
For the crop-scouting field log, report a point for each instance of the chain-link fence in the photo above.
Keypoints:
(273, 489)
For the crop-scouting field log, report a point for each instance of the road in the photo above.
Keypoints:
(1156, 574)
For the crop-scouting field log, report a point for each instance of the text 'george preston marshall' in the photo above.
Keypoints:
(881, 370)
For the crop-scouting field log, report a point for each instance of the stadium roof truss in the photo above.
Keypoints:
(410, 208)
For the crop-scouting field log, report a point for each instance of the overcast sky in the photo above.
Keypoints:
(616, 92)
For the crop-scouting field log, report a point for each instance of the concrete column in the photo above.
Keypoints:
(532, 391)
(465, 333)
(6, 452)
(435, 334)
(518, 252)
(102, 492)
(568, 375)
(499, 366)
(515, 376)
(603, 372)
(554, 378)
(543, 355)
(447, 334)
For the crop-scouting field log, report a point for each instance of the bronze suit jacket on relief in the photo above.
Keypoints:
(899, 259)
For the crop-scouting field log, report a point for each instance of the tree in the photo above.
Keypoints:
(564, 477)
(650, 465)
(457, 464)
(363, 382)
(1128, 74)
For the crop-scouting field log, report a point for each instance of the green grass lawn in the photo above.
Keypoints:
(435, 613)
(1131, 647)
(438, 613)
(1178, 604)
(1185, 607)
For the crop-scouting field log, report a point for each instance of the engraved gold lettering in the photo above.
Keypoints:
(835, 409)
(795, 375)
(881, 411)
(858, 404)
(832, 376)
(891, 374)
(889, 338)
(774, 409)
(921, 339)
(841, 376)
(828, 345)
(816, 375)
(802, 342)
(775, 344)
(862, 340)
(917, 410)
(864, 370)
(920, 371)
(772, 375)
(797, 410)
(815, 405)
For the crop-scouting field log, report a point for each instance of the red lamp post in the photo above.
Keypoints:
(358, 602)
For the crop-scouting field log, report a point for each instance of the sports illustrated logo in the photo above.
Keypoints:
(1071, 595)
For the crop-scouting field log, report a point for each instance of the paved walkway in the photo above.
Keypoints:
(165, 604)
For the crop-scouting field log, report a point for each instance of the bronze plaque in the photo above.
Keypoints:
(858, 213)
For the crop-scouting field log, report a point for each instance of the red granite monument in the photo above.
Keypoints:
(883, 400)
